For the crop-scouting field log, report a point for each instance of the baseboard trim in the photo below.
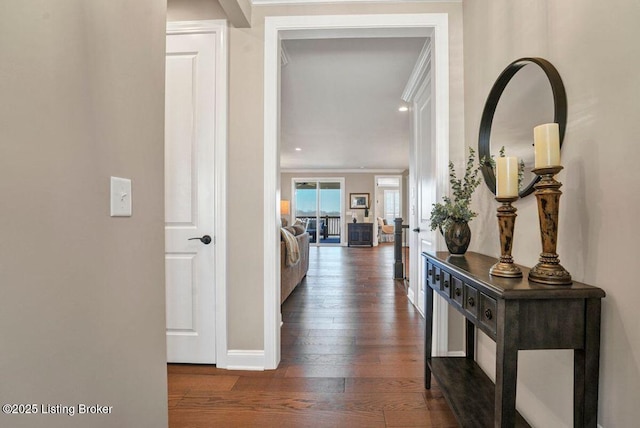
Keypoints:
(456, 354)
(411, 296)
(241, 359)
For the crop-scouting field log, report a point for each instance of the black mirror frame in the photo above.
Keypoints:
(559, 116)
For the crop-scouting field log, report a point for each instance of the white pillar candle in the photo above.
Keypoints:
(546, 138)
(507, 177)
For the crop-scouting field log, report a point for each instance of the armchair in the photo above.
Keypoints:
(385, 231)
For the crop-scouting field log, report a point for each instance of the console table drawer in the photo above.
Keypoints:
(488, 312)
(457, 290)
(445, 283)
(471, 300)
(436, 277)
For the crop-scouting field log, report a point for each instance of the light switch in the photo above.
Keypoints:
(120, 197)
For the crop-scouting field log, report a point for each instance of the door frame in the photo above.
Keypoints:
(220, 29)
(278, 28)
(377, 194)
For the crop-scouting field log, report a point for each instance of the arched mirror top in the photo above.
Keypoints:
(527, 93)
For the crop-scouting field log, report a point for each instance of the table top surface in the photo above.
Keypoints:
(475, 267)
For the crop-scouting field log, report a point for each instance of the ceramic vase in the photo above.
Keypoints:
(457, 237)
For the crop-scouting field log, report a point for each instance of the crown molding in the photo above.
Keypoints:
(342, 171)
(280, 2)
(421, 72)
(284, 55)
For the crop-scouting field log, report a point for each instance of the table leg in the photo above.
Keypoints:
(470, 340)
(586, 364)
(506, 363)
(428, 335)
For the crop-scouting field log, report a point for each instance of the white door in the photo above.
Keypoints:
(423, 198)
(426, 186)
(189, 198)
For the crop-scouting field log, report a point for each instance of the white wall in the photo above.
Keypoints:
(82, 294)
(594, 46)
(189, 10)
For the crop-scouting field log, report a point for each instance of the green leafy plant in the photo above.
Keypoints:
(455, 208)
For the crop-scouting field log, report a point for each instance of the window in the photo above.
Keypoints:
(391, 205)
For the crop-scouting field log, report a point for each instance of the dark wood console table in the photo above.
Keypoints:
(516, 314)
(360, 234)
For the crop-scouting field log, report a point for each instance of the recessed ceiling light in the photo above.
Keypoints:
(298, 149)
(403, 108)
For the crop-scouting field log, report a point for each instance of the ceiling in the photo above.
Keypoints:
(340, 100)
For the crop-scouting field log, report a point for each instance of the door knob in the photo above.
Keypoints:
(417, 229)
(206, 239)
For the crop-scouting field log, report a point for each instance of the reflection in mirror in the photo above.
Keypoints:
(529, 92)
(526, 102)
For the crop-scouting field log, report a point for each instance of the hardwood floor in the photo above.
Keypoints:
(352, 356)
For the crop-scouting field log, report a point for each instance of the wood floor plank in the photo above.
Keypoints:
(180, 383)
(403, 357)
(352, 355)
(435, 399)
(356, 370)
(335, 385)
(190, 418)
(420, 418)
(334, 340)
(332, 359)
(320, 332)
(174, 399)
(378, 384)
(248, 400)
(203, 369)
(390, 341)
(346, 349)
(362, 333)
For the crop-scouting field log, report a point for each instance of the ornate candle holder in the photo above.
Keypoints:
(506, 222)
(549, 270)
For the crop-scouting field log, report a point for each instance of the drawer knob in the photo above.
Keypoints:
(471, 302)
(487, 314)
(446, 284)
(458, 292)
(437, 278)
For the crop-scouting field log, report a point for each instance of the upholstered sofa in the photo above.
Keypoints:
(290, 276)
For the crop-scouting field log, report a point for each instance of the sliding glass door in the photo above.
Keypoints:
(318, 202)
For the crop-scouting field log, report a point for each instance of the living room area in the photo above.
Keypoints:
(353, 209)
(325, 215)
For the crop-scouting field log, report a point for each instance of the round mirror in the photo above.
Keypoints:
(529, 92)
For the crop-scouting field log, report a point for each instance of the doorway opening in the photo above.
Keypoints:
(389, 206)
(296, 27)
